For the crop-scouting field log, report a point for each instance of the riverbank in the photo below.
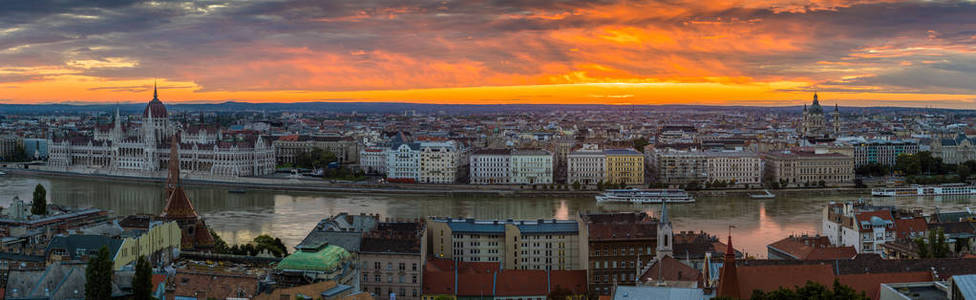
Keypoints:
(449, 190)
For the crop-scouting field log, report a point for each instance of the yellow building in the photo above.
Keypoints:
(624, 165)
(158, 241)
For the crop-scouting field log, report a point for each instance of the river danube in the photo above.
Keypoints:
(291, 214)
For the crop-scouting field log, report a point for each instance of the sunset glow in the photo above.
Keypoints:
(775, 52)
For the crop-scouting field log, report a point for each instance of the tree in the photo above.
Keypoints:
(39, 207)
(963, 171)
(577, 185)
(142, 281)
(640, 143)
(599, 185)
(811, 290)
(98, 276)
(935, 247)
(220, 246)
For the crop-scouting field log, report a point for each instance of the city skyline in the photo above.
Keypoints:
(769, 53)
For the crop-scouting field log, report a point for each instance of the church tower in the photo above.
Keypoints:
(665, 234)
(836, 115)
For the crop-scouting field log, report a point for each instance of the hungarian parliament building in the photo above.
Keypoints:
(145, 149)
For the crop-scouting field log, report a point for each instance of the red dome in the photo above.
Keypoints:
(158, 109)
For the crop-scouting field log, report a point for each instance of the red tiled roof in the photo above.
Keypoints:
(870, 283)
(812, 247)
(904, 227)
(673, 270)
(512, 283)
(475, 283)
(438, 282)
(574, 281)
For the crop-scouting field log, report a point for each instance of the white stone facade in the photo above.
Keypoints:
(146, 150)
(586, 166)
(490, 166)
(531, 167)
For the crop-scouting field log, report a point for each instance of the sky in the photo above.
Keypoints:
(748, 52)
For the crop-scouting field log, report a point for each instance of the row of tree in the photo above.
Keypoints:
(261, 243)
(98, 277)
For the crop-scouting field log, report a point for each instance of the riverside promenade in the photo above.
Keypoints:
(312, 184)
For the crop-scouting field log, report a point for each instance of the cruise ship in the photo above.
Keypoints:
(937, 190)
(646, 196)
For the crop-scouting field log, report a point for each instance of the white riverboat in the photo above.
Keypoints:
(929, 190)
(646, 196)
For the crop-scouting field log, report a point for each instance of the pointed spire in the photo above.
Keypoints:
(664, 213)
(155, 94)
(728, 282)
(836, 108)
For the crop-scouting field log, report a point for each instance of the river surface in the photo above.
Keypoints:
(238, 218)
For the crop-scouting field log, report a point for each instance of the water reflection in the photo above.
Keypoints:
(290, 215)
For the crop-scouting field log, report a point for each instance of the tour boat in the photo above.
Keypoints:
(765, 195)
(937, 190)
(645, 196)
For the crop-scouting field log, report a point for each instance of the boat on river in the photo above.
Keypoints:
(765, 195)
(634, 195)
(925, 190)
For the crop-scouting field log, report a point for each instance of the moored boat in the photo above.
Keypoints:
(646, 196)
(925, 190)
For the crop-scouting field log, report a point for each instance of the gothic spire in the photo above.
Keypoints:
(155, 95)
(728, 282)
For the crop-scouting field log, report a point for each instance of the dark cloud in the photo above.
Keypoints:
(255, 45)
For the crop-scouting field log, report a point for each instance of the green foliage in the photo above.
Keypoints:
(220, 246)
(142, 281)
(39, 207)
(18, 155)
(577, 185)
(811, 290)
(963, 171)
(640, 143)
(872, 169)
(98, 275)
(935, 247)
(692, 186)
(599, 185)
(920, 163)
(262, 242)
(314, 159)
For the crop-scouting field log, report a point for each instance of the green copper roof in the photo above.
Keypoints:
(325, 260)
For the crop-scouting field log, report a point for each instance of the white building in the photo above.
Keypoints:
(145, 149)
(403, 162)
(531, 167)
(861, 226)
(372, 159)
(586, 166)
(490, 166)
(738, 168)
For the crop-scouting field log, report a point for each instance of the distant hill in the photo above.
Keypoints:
(397, 107)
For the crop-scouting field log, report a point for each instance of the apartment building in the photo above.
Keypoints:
(403, 162)
(588, 166)
(490, 166)
(392, 260)
(439, 162)
(624, 166)
(861, 226)
(618, 244)
(372, 159)
(515, 244)
(531, 167)
(808, 168)
(734, 168)
(884, 152)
